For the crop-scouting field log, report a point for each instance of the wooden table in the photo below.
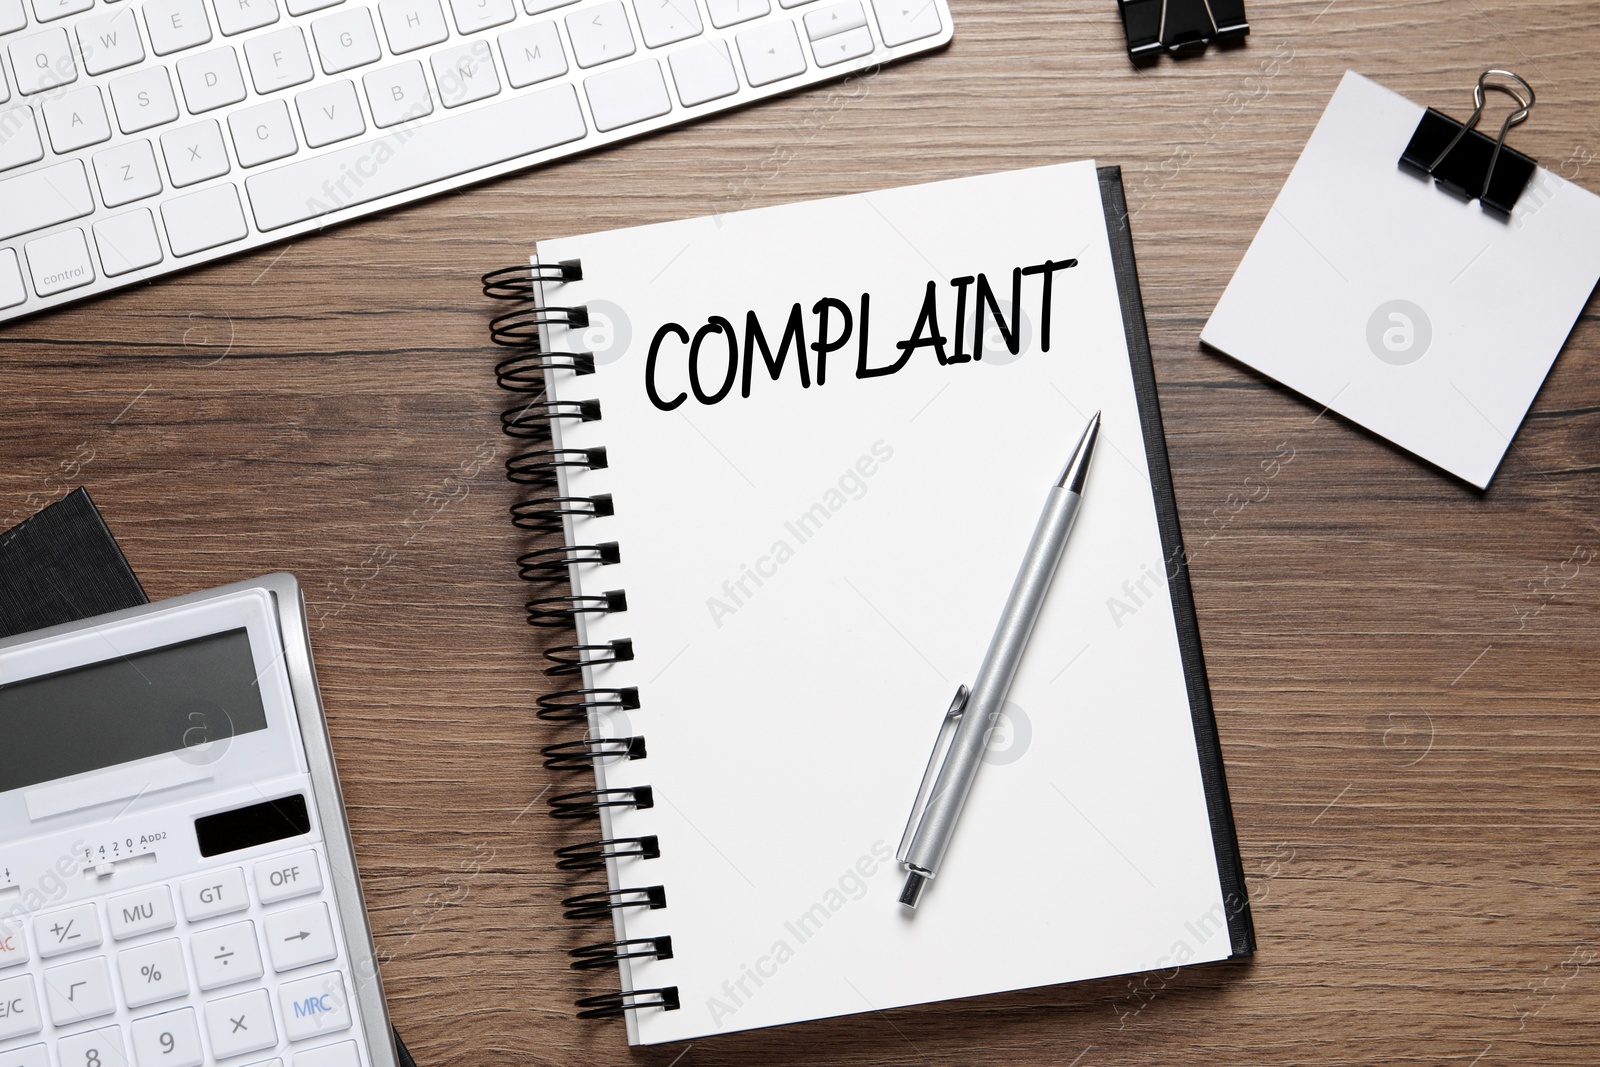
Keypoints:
(1404, 669)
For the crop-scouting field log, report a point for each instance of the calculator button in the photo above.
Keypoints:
(171, 1039)
(19, 1008)
(13, 944)
(67, 931)
(218, 893)
(291, 876)
(97, 1048)
(78, 992)
(343, 1054)
(226, 955)
(314, 1006)
(28, 1056)
(152, 973)
(300, 937)
(143, 912)
(239, 1024)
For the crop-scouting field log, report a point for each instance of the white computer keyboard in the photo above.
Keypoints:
(140, 138)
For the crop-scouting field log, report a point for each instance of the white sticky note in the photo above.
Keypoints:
(1389, 301)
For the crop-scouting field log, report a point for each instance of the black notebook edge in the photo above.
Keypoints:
(61, 565)
(1230, 868)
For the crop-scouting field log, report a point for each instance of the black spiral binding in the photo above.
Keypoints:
(541, 466)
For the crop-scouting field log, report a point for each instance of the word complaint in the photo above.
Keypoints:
(716, 357)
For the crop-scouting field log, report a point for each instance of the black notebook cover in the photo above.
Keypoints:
(62, 565)
(1230, 870)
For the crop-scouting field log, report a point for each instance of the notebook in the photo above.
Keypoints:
(1423, 318)
(795, 455)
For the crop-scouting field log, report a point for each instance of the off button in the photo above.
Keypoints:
(290, 876)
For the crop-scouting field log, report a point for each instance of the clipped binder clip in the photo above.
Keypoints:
(1466, 163)
(1179, 26)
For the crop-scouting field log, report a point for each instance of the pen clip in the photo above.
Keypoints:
(941, 746)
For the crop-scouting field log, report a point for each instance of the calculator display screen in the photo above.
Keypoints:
(169, 699)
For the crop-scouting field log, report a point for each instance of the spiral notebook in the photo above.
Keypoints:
(781, 466)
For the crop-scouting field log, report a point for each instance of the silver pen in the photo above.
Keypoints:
(964, 732)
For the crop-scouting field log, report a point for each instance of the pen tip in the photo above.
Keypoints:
(913, 889)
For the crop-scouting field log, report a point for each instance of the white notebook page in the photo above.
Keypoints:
(811, 572)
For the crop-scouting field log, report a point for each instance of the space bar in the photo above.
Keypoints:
(413, 156)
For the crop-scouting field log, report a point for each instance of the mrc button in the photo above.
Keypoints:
(290, 876)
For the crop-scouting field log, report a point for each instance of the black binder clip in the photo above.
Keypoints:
(1465, 162)
(1179, 26)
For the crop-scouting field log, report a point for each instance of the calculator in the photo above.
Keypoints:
(177, 884)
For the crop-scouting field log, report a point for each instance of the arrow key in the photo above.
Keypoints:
(852, 44)
(835, 18)
(771, 52)
(300, 937)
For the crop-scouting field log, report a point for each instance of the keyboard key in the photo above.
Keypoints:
(76, 119)
(171, 1039)
(207, 219)
(262, 134)
(21, 143)
(127, 243)
(412, 24)
(234, 17)
(851, 44)
(314, 1006)
(240, 1024)
(226, 955)
(346, 40)
(76, 928)
(110, 41)
(300, 937)
(539, 7)
(532, 54)
(211, 79)
(330, 113)
(733, 12)
(278, 59)
(149, 909)
(432, 152)
(58, 263)
(97, 1048)
(152, 973)
(288, 877)
(667, 21)
(474, 15)
(305, 7)
(33, 201)
(42, 61)
(343, 1054)
(78, 992)
(12, 17)
(27, 1056)
(19, 1005)
(901, 21)
(398, 94)
(143, 99)
(600, 34)
(627, 94)
(175, 25)
(703, 72)
(770, 53)
(835, 18)
(465, 73)
(12, 293)
(220, 892)
(50, 10)
(13, 944)
(193, 154)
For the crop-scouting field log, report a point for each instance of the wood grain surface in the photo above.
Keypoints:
(1404, 669)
